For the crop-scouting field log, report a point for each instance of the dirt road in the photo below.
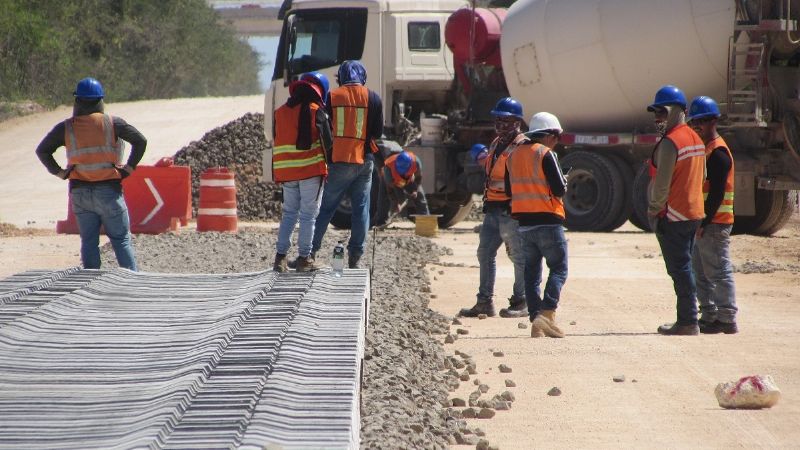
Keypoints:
(617, 294)
(29, 196)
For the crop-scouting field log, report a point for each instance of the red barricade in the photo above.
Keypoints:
(159, 199)
(217, 209)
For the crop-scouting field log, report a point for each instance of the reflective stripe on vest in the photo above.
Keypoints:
(724, 214)
(350, 105)
(397, 179)
(685, 200)
(93, 151)
(288, 162)
(530, 192)
(495, 170)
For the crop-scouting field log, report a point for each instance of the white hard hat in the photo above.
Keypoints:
(544, 121)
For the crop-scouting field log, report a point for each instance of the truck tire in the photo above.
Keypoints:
(626, 175)
(342, 218)
(641, 183)
(595, 192)
(789, 202)
(770, 214)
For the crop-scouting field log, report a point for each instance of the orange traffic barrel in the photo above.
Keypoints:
(217, 209)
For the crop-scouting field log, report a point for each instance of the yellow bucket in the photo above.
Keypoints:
(426, 225)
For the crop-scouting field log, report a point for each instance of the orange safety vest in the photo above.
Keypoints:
(495, 190)
(685, 199)
(724, 214)
(530, 192)
(397, 179)
(93, 150)
(349, 104)
(288, 162)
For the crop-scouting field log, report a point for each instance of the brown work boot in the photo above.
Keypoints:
(536, 330)
(677, 329)
(306, 264)
(280, 263)
(517, 307)
(546, 321)
(481, 307)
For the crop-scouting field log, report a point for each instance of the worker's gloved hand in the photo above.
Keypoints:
(124, 171)
(64, 173)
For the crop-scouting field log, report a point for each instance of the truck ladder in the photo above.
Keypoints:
(745, 84)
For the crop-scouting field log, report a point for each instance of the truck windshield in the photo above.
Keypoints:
(315, 39)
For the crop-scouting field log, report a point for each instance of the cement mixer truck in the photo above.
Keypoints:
(440, 66)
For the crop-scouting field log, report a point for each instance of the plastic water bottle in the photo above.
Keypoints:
(338, 259)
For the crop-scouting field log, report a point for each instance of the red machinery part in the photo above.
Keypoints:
(486, 46)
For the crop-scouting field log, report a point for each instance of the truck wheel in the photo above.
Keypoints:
(626, 175)
(595, 192)
(773, 210)
(639, 199)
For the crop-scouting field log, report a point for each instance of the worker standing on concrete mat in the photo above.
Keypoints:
(711, 259)
(95, 171)
(302, 136)
(536, 186)
(357, 121)
(677, 168)
(498, 226)
(402, 175)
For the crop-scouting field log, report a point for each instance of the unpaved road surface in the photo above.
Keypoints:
(30, 196)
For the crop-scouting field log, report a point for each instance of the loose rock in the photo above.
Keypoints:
(498, 354)
(504, 368)
(510, 383)
(522, 325)
(462, 331)
(554, 392)
(486, 413)
(619, 378)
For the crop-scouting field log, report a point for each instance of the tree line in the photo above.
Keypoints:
(138, 49)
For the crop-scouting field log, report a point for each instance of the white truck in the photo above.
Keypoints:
(596, 64)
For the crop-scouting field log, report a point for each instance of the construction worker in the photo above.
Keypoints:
(537, 186)
(711, 259)
(676, 207)
(357, 121)
(302, 136)
(498, 226)
(402, 175)
(95, 171)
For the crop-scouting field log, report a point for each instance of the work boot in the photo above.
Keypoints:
(677, 329)
(481, 307)
(517, 307)
(293, 262)
(536, 330)
(280, 264)
(352, 261)
(306, 264)
(546, 321)
(717, 327)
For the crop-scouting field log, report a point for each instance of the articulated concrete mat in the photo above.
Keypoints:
(118, 359)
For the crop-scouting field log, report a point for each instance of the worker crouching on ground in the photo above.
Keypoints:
(677, 167)
(537, 186)
(498, 226)
(711, 260)
(95, 172)
(357, 118)
(302, 137)
(402, 175)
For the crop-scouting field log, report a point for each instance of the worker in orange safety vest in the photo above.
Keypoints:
(402, 176)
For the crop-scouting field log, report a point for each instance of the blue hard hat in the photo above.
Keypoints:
(703, 107)
(508, 107)
(403, 163)
(476, 150)
(89, 88)
(351, 72)
(668, 95)
(320, 80)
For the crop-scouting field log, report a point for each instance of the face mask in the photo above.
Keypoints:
(506, 130)
(661, 127)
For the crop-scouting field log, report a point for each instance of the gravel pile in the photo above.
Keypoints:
(406, 376)
(237, 145)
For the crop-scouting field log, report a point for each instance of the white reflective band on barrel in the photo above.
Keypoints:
(217, 183)
(216, 212)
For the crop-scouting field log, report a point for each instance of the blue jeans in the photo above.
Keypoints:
(355, 180)
(711, 262)
(104, 205)
(676, 240)
(550, 243)
(498, 228)
(301, 200)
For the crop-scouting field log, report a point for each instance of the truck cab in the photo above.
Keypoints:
(401, 44)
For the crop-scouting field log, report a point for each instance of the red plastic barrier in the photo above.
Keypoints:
(217, 209)
(159, 198)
